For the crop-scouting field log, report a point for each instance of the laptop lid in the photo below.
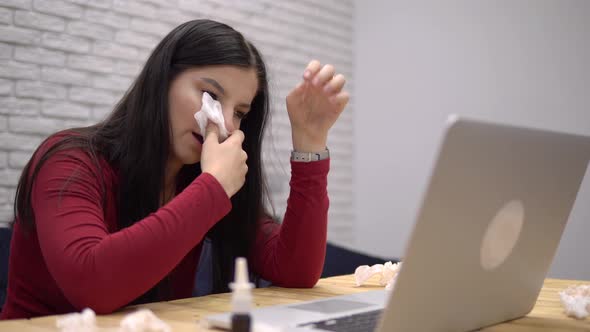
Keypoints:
(490, 222)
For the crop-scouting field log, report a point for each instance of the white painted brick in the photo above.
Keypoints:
(250, 7)
(5, 16)
(107, 18)
(16, 35)
(144, 54)
(79, 123)
(14, 69)
(78, 2)
(19, 106)
(114, 50)
(92, 96)
(136, 39)
(11, 196)
(127, 68)
(90, 30)
(4, 192)
(64, 75)
(21, 4)
(134, 8)
(6, 87)
(232, 16)
(104, 4)
(29, 19)
(39, 55)
(174, 16)
(91, 63)
(6, 51)
(163, 3)
(42, 90)
(99, 113)
(65, 42)
(20, 142)
(3, 160)
(100, 3)
(9, 178)
(19, 159)
(112, 82)
(159, 29)
(196, 7)
(3, 122)
(34, 125)
(7, 216)
(64, 109)
(59, 8)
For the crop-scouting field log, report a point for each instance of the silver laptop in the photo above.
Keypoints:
(489, 224)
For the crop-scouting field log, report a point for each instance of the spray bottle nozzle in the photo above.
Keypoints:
(241, 299)
(241, 273)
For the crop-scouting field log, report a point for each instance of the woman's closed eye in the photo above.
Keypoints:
(212, 94)
(240, 115)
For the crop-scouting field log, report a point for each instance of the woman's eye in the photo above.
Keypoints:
(213, 95)
(240, 115)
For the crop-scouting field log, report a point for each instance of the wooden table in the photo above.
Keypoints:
(183, 315)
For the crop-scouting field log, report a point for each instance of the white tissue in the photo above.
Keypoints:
(576, 301)
(364, 272)
(77, 322)
(387, 271)
(211, 111)
(143, 320)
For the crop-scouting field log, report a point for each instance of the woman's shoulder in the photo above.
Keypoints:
(75, 148)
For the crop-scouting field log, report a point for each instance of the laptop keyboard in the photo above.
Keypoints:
(361, 322)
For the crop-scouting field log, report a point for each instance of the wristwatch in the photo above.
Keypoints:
(307, 157)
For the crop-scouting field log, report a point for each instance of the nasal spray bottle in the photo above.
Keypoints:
(241, 300)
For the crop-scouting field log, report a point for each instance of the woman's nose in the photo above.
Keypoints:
(229, 120)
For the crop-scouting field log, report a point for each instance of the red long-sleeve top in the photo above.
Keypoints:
(76, 257)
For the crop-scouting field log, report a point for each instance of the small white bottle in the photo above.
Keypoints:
(241, 300)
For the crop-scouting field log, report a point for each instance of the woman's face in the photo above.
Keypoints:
(234, 87)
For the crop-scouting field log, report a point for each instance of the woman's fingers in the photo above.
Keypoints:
(324, 75)
(336, 84)
(312, 69)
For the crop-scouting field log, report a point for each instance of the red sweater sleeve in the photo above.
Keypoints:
(292, 254)
(102, 270)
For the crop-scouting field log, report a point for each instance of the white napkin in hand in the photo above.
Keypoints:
(211, 111)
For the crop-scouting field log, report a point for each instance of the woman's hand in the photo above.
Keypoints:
(225, 161)
(314, 105)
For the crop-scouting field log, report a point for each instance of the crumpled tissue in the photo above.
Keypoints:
(142, 320)
(387, 271)
(576, 301)
(211, 111)
(74, 322)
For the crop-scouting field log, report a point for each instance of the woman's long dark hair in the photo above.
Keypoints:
(135, 140)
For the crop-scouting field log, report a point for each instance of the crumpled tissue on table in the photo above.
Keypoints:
(211, 111)
(142, 320)
(576, 301)
(74, 322)
(387, 271)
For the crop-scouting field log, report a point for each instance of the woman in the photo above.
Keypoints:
(116, 213)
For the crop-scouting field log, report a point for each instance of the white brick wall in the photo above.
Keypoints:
(67, 62)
